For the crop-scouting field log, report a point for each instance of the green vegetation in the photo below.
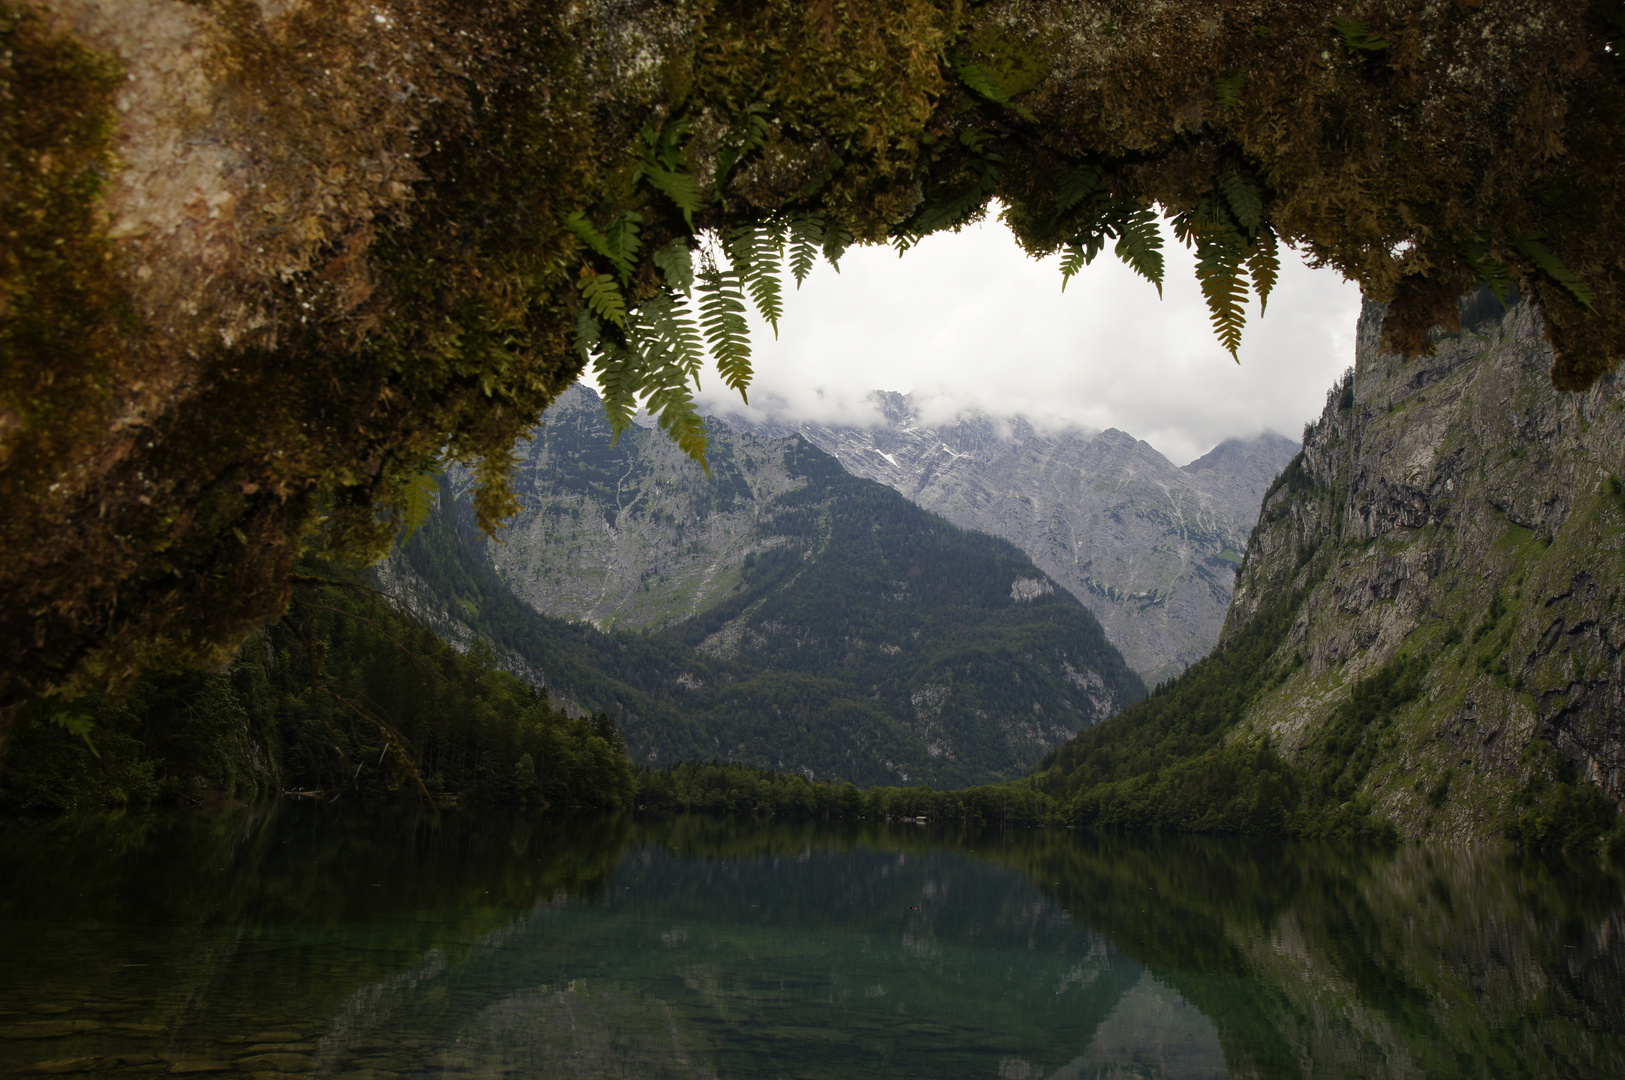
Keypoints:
(344, 696)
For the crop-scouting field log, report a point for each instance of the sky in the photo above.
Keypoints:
(968, 322)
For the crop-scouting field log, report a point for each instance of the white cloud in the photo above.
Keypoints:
(970, 322)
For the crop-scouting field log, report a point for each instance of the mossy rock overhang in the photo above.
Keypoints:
(265, 261)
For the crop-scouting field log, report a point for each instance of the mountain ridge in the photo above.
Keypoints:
(1149, 547)
(781, 613)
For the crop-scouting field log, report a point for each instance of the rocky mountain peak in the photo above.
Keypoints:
(1150, 548)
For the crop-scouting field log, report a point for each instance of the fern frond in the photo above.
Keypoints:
(602, 295)
(672, 405)
(1219, 254)
(1264, 265)
(576, 221)
(1229, 90)
(1357, 36)
(722, 318)
(588, 332)
(1139, 242)
(806, 237)
(665, 322)
(836, 240)
(983, 83)
(419, 496)
(622, 236)
(676, 262)
(1072, 260)
(682, 188)
(1245, 200)
(1076, 186)
(1543, 257)
(755, 251)
(618, 370)
(751, 132)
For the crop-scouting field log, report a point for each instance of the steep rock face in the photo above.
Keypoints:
(1150, 548)
(1456, 513)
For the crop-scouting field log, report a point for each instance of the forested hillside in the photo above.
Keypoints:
(345, 696)
(853, 637)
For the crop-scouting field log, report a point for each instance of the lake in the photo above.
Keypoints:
(373, 943)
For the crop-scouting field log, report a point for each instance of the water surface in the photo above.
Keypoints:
(344, 942)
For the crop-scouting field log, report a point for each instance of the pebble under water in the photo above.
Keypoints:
(382, 943)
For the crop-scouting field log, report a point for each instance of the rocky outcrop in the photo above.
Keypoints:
(1457, 512)
(1149, 547)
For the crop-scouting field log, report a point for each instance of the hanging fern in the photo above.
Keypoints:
(1357, 37)
(1264, 265)
(1496, 274)
(676, 262)
(722, 317)
(619, 371)
(756, 251)
(806, 237)
(665, 166)
(1221, 251)
(602, 295)
(1244, 199)
(618, 243)
(748, 136)
(836, 240)
(1139, 240)
(1543, 257)
(420, 493)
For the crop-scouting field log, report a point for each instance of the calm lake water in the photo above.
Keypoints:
(343, 942)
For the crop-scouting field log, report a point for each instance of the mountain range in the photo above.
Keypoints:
(1151, 548)
(778, 612)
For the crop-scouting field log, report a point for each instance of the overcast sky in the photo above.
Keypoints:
(968, 322)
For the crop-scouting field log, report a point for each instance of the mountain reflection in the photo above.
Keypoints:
(375, 945)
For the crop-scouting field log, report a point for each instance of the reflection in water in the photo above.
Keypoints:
(376, 945)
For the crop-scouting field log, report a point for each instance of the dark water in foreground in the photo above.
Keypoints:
(370, 944)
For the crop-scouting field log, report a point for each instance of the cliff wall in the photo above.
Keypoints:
(1456, 518)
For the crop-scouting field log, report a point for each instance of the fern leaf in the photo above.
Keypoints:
(722, 318)
(676, 262)
(682, 188)
(588, 332)
(672, 406)
(1077, 186)
(806, 237)
(751, 131)
(982, 82)
(1245, 200)
(1219, 254)
(1264, 265)
(576, 221)
(1357, 36)
(617, 369)
(624, 241)
(1072, 260)
(75, 720)
(755, 251)
(836, 240)
(603, 296)
(1139, 242)
(1543, 257)
(1229, 90)
(419, 496)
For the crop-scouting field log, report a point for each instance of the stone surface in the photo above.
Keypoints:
(1457, 509)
